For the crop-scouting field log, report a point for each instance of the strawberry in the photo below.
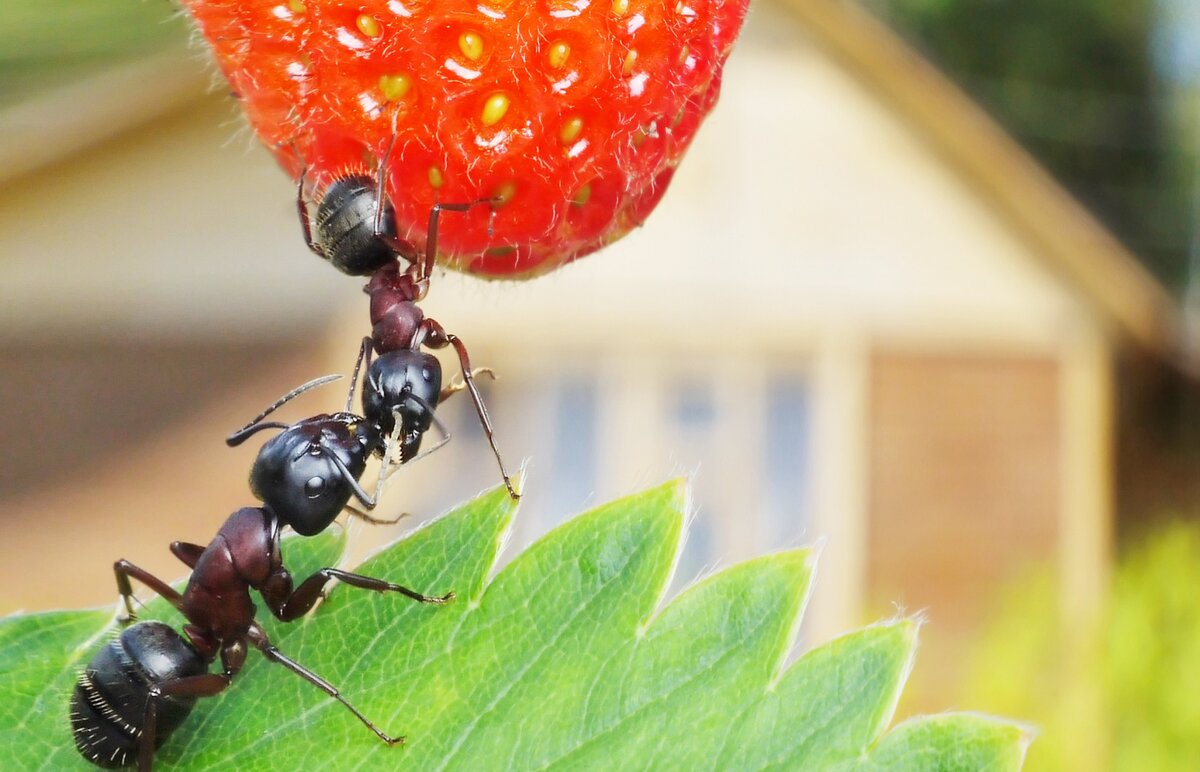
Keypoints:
(574, 113)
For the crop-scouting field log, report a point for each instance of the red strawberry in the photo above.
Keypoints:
(574, 112)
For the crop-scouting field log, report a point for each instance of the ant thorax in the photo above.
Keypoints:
(395, 316)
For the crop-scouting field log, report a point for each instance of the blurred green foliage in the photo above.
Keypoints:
(1123, 695)
(44, 43)
(1074, 81)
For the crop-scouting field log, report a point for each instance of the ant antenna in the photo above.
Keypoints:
(240, 435)
(381, 184)
(364, 353)
(245, 433)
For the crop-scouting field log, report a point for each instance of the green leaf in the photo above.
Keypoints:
(566, 659)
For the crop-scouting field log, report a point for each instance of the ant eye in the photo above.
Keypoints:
(426, 373)
(314, 487)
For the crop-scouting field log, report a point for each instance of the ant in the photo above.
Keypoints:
(355, 230)
(141, 686)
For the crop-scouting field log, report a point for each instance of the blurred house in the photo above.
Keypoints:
(862, 315)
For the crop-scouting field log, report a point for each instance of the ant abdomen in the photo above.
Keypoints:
(345, 227)
(108, 708)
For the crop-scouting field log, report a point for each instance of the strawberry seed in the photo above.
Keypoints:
(368, 26)
(494, 108)
(471, 45)
(558, 54)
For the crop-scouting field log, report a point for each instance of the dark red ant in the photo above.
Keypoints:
(356, 232)
(144, 683)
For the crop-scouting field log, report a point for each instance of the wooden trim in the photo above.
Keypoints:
(1087, 409)
(841, 386)
(1074, 243)
(1085, 520)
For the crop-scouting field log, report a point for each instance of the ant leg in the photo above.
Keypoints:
(365, 350)
(207, 685)
(379, 585)
(233, 656)
(306, 595)
(259, 638)
(187, 553)
(146, 742)
(255, 425)
(302, 208)
(437, 337)
(124, 570)
(361, 515)
(400, 246)
(431, 237)
(458, 386)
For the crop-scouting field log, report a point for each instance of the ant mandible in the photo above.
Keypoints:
(141, 686)
(355, 230)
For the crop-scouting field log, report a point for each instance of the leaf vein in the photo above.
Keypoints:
(664, 696)
(533, 661)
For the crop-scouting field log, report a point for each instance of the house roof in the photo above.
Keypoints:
(1073, 242)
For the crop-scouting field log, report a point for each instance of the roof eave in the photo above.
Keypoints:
(1076, 245)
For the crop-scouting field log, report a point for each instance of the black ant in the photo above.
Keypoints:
(356, 232)
(139, 688)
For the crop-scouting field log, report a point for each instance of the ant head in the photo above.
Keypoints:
(345, 226)
(306, 473)
(407, 384)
